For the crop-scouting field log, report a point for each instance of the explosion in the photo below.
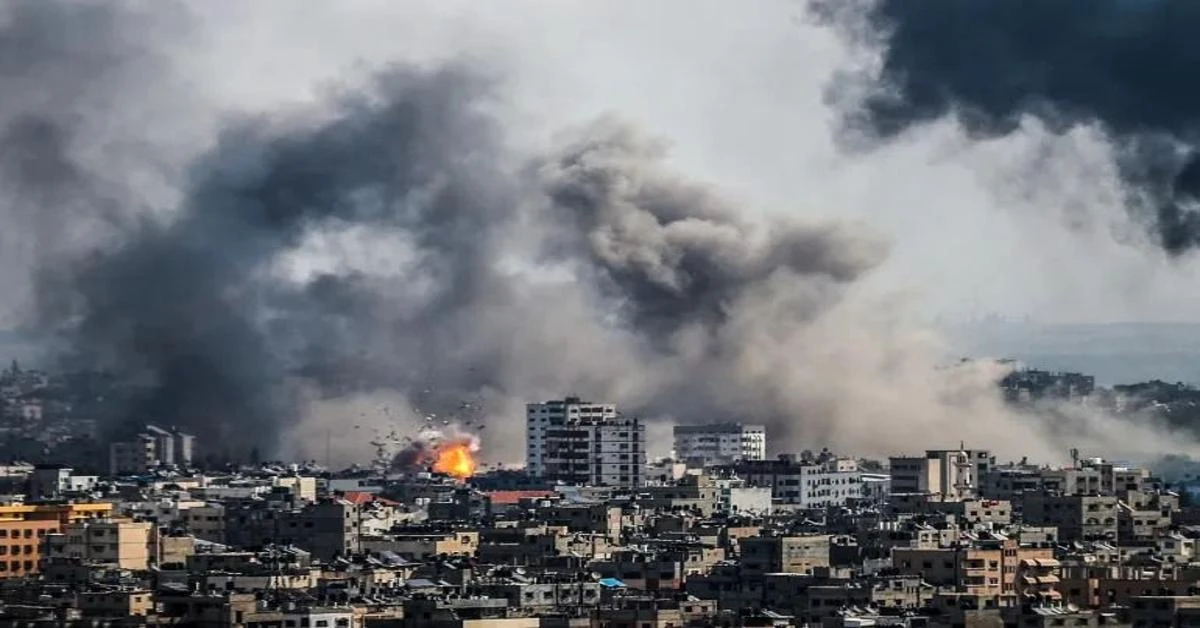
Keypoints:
(450, 453)
(456, 460)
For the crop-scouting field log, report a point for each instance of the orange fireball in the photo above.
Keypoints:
(455, 459)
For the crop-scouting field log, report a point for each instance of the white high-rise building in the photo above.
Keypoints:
(720, 443)
(583, 443)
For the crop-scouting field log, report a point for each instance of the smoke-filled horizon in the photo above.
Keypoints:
(994, 65)
(330, 267)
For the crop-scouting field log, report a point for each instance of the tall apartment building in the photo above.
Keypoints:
(720, 443)
(951, 474)
(152, 447)
(583, 443)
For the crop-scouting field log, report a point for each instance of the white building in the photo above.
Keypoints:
(54, 481)
(720, 443)
(808, 484)
(583, 443)
(734, 496)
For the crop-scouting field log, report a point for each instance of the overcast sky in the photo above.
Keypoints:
(1026, 225)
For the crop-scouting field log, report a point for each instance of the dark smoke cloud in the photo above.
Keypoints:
(191, 307)
(329, 270)
(1121, 64)
(671, 250)
(74, 79)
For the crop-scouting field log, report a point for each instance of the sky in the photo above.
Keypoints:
(777, 260)
(743, 93)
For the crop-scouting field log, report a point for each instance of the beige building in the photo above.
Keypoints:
(123, 603)
(989, 568)
(949, 474)
(24, 528)
(121, 543)
(425, 544)
(784, 554)
(304, 488)
(207, 522)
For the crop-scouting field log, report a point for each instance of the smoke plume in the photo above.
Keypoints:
(994, 64)
(343, 266)
(423, 450)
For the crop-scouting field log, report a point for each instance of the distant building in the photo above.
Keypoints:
(54, 481)
(720, 443)
(151, 448)
(951, 474)
(578, 442)
(830, 482)
(1023, 385)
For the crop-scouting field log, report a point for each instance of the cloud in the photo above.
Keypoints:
(429, 228)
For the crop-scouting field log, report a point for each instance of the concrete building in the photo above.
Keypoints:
(151, 448)
(582, 443)
(784, 554)
(831, 483)
(950, 474)
(54, 481)
(720, 443)
(983, 567)
(117, 543)
(1077, 517)
(23, 532)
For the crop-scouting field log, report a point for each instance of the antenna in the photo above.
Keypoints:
(328, 440)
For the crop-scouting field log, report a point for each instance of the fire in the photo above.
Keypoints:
(455, 459)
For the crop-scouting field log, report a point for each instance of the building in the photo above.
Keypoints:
(720, 443)
(54, 481)
(784, 554)
(808, 484)
(950, 474)
(582, 443)
(119, 543)
(151, 448)
(983, 567)
(23, 531)
(1077, 517)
